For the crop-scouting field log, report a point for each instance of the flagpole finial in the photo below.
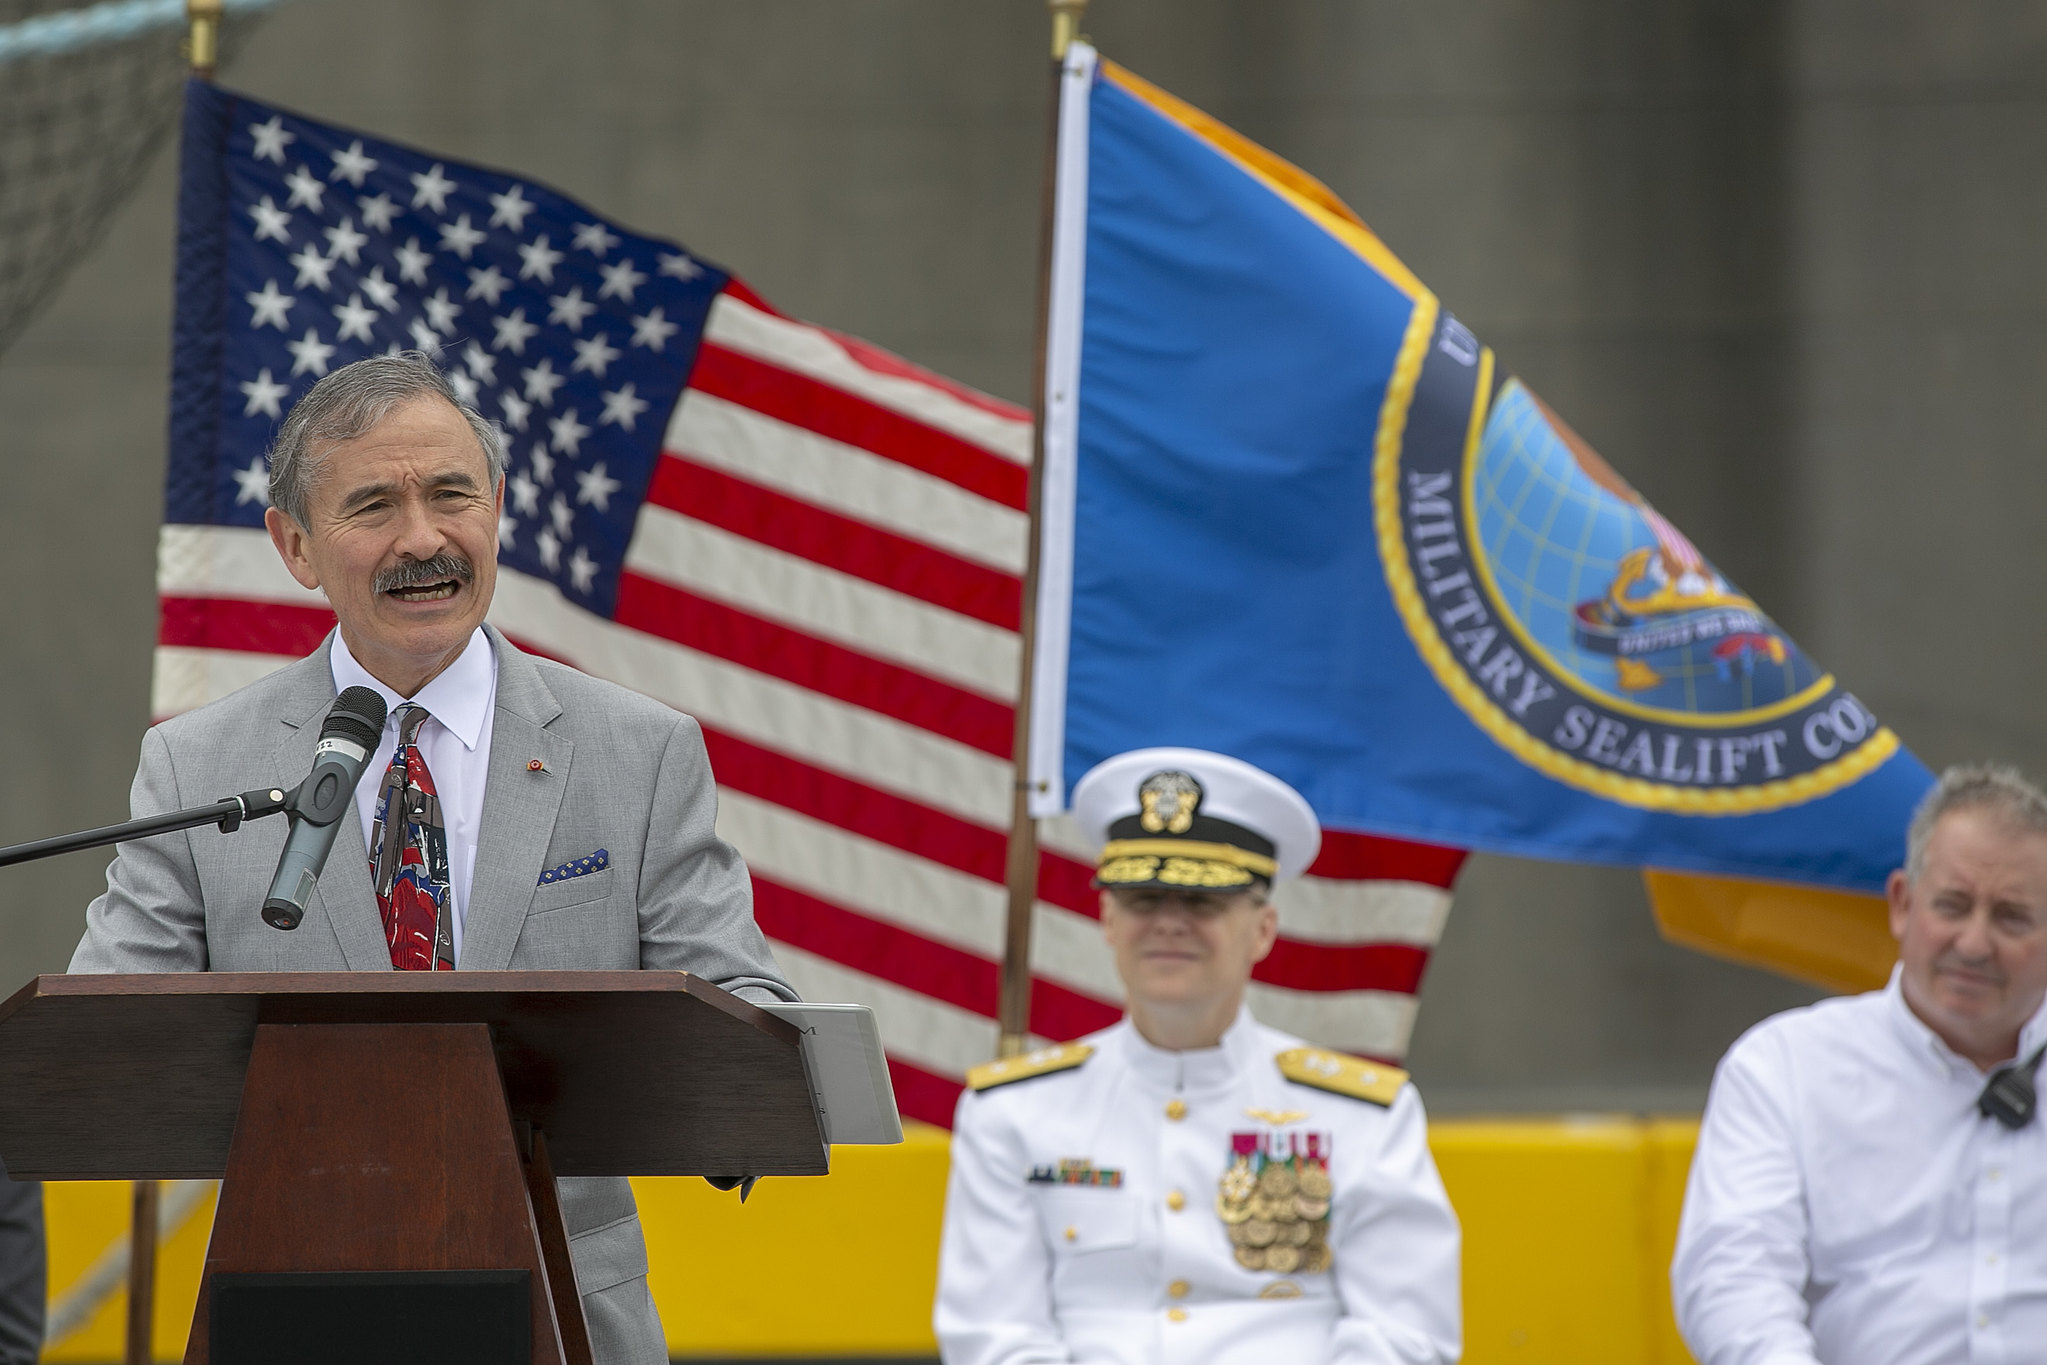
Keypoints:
(203, 40)
(1066, 15)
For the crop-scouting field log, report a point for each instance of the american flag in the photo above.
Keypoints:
(811, 546)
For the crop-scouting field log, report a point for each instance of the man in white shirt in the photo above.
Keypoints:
(1190, 1185)
(1855, 1200)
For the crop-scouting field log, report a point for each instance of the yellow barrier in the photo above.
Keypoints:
(1568, 1226)
(1568, 1230)
(845, 1265)
(87, 1218)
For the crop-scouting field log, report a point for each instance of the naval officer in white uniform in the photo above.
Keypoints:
(1189, 1185)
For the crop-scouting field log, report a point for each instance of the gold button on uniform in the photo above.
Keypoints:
(1176, 1315)
(1176, 1201)
(1176, 1110)
(1178, 1289)
(1072, 1233)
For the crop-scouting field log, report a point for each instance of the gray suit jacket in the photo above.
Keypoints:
(620, 772)
(23, 1284)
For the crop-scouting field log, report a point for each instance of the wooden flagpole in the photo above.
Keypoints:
(142, 1273)
(1013, 1012)
(202, 50)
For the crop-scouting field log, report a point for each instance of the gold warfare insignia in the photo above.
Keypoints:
(1043, 1062)
(1168, 801)
(1342, 1075)
(1273, 1199)
(1278, 1118)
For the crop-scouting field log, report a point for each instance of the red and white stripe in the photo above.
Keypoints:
(827, 575)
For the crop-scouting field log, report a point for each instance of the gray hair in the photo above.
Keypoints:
(350, 401)
(1991, 787)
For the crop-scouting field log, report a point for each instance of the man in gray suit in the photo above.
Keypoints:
(572, 820)
(23, 1283)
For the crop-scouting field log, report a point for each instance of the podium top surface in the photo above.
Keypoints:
(628, 1073)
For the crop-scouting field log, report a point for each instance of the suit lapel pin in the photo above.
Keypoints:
(534, 765)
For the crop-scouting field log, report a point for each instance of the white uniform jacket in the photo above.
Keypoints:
(1085, 1216)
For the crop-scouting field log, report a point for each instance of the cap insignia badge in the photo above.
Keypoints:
(1168, 801)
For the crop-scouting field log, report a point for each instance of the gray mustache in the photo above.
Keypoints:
(418, 573)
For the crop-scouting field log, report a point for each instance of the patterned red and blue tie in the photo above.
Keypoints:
(409, 857)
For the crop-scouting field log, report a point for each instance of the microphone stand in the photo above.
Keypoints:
(228, 814)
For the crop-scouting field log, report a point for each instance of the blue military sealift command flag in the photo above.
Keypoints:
(1296, 512)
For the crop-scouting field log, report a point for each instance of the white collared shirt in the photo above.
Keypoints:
(1849, 1205)
(1082, 1220)
(455, 744)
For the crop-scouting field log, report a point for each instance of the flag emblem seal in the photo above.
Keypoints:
(1576, 626)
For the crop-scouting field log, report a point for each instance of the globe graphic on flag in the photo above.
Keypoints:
(1610, 594)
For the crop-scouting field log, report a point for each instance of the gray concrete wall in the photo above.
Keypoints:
(1778, 261)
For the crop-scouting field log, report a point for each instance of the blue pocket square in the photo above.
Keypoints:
(581, 867)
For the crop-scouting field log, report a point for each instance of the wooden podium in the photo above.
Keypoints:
(391, 1134)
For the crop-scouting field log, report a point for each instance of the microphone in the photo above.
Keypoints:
(351, 732)
(2010, 1097)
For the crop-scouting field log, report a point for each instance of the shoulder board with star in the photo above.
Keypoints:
(1043, 1062)
(1341, 1074)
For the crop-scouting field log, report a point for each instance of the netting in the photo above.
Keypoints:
(77, 130)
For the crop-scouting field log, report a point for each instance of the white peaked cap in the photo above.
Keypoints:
(1232, 790)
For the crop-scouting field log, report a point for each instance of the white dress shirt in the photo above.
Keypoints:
(455, 744)
(1142, 1271)
(1849, 1205)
